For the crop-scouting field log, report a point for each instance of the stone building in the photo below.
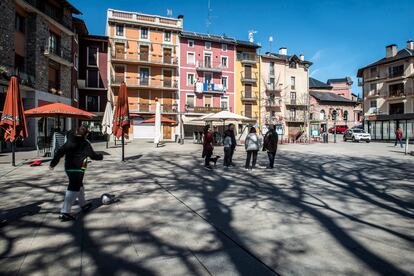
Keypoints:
(284, 91)
(37, 44)
(335, 95)
(388, 93)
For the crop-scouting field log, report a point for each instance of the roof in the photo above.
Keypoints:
(248, 44)
(286, 58)
(95, 37)
(209, 37)
(402, 54)
(80, 26)
(314, 83)
(70, 6)
(340, 80)
(329, 97)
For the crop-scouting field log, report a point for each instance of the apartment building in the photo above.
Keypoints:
(388, 93)
(144, 53)
(333, 96)
(247, 73)
(38, 43)
(206, 76)
(92, 84)
(284, 91)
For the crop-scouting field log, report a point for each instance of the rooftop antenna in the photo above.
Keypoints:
(251, 35)
(169, 13)
(209, 10)
(270, 43)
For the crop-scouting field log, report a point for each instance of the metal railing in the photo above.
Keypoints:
(247, 58)
(273, 88)
(60, 52)
(249, 96)
(209, 66)
(248, 77)
(139, 82)
(147, 58)
(208, 109)
(150, 108)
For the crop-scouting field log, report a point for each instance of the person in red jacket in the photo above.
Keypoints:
(398, 137)
(208, 146)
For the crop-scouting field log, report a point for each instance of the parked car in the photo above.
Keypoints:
(357, 135)
(339, 129)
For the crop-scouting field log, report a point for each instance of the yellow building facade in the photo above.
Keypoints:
(247, 82)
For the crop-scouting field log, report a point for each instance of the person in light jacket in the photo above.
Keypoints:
(252, 146)
(227, 143)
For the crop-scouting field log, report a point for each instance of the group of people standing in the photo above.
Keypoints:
(253, 144)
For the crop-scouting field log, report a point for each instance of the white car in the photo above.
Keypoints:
(357, 135)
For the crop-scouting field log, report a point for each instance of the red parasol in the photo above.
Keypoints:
(59, 110)
(163, 120)
(12, 119)
(121, 117)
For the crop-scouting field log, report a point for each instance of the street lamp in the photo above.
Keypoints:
(334, 113)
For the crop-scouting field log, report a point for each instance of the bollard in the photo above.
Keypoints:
(407, 141)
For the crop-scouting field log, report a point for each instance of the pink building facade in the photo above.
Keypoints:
(206, 74)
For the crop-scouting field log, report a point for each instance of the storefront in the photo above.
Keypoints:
(383, 127)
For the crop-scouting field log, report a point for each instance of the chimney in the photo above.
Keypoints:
(180, 20)
(391, 50)
(302, 57)
(283, 51)
(410, 45)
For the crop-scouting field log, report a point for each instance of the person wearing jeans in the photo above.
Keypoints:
(208, 146)
(252, 146)
(270, 145)
(398, 137)
(227, 150)
(230, 132)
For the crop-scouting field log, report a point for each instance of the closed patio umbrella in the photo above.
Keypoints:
(157, 121)
(107, 121)
(121, 121)
(12, 119)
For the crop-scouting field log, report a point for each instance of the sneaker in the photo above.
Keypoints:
(86, 207)
(246, 169)
(66, 217)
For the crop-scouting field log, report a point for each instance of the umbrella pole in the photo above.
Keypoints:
(107, 140)
(123, 140)
(13, 146)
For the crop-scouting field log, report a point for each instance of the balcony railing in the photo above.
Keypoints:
(143, 83)
(59, 54)
(295, 102)
(293, 118)
(209, 66)
(247, 58)
(274, 88)
(145, 59)
(204, 87)
(249, 97)
(150, 108)
(249, 78)
(207, 109)
(272, 104)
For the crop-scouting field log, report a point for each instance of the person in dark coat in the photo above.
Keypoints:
(230, 132)
(270, 145)
(76, 151)
(208, 146)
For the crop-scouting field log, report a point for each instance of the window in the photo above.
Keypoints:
(224, 103)
(92, 78)
(92, 103)
(207, 45)
(272, 83)
(54, 43)
(75, 93)
(373, 103)
(190, 58)
(92, 56)
(191, 43)
(292, 65)
(19, 63)
(373, 72)
(167, 36)
(396, 71)
(272, 68)
(190, 79)
(224, 82)
(144, 33)
(224, 62)
(293, 96)
(224, 47)
(292, 83)
(19, 23)
(207, 101)
(345, 115)
(190, 101)
(293, 113)
(373, 88)
(54, 77)
(396, 90)
(208, 77)
(322, 115)
(207, 60)
(120, 30)
(75, 61)
(144, 76)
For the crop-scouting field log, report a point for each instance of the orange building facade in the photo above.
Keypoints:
(144, 53)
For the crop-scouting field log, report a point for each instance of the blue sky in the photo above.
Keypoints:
(337, 36)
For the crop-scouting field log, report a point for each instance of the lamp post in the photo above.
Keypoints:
(334, 117)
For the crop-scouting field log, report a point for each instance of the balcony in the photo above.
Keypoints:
(205, 109)
(209, 67)
(249, 97)
(59, 55)
(274, 89)
(204, 87)
(143, 19)
(150, 60)
(248, 58)
(295, 102)
(145, 83)
(248, 78)
(149, 108)
(295, 118)
(273, 105)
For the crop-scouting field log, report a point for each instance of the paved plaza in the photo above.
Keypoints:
(326, 209)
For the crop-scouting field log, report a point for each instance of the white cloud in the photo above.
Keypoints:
(317, 56)
(314, 72)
